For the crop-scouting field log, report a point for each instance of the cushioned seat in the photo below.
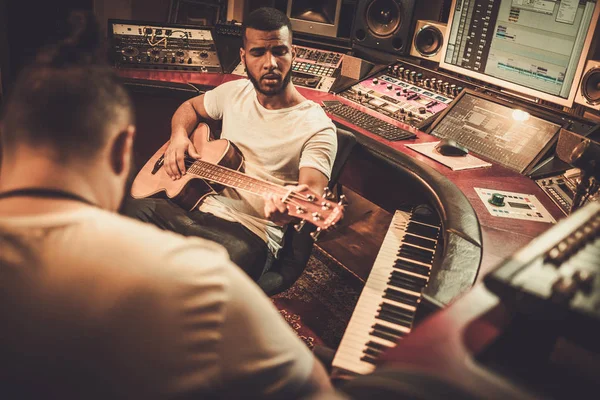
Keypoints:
(298, 245)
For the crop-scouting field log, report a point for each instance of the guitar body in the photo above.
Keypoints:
(189, 190)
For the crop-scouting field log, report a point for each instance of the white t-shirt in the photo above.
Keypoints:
(275, 145)
(96, 305)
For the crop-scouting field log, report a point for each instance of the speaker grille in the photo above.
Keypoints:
(590, 86)
(428, 40)
(384, 17)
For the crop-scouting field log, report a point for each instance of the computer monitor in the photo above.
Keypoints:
(512, 136)
(535, 48)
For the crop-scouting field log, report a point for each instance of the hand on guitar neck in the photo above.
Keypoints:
(275, 208)
(214, 165)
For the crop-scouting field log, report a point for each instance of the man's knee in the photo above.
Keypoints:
(249, 257)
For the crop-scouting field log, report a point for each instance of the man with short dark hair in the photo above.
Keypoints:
(94, 305)
(285, 139)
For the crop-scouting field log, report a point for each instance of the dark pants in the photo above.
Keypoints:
(245, 248)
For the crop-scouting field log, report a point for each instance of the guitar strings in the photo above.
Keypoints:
(191, 162)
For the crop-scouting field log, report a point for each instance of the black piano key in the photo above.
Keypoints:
(422, 230)
(414, 253)
(388, 330)
(378, 346)
(404, 285)
(393, 314)
(426, 219)
(406, 265)
(384, 335)
(401, 297)
(407, 247)
(371, 352)
(392, 319)
(419, 241)
(368, 359)
(396, 310)
(409, 278)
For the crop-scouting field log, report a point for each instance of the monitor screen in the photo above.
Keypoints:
(534, 47)
(497, 131)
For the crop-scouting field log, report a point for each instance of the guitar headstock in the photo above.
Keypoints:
(320, 211)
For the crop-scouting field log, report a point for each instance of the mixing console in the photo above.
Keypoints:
(316, 62)
(406, 93)
(367, 121)
(163, 47)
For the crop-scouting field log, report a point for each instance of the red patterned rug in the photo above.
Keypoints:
(319, 305)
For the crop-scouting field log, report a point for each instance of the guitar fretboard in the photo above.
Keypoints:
(234, 179)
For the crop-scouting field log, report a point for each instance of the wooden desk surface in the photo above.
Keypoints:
(501, 236)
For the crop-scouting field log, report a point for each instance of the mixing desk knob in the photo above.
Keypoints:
(405, 90)
(165, 59)
(395, 70)
(189, 60)
(497, 200)
(453, 90)
(367, 96)
(419, 77)
(375, 81)
(427, 83)
(459, 89)
(422, 110)
(390, 69)
(398, 93)
(390, 86)
(413, 76)
(406, 73)
(400, 71)
(402, 111)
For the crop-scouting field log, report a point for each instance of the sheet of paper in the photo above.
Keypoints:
(454, 163)
(567, 11)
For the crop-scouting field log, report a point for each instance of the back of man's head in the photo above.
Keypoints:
(67, 100)
(266, 19)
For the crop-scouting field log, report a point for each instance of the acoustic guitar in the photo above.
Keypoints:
(221, 165)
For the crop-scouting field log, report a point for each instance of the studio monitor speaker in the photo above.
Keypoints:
(588, 92)
(428, 40)
(384, 25)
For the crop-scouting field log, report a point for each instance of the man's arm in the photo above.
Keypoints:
(185, 119)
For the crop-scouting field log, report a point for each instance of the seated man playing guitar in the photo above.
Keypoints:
(284, 138)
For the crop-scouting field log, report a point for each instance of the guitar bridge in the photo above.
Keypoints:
(159, 163)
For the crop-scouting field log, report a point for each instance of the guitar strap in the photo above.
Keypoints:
(45, 192)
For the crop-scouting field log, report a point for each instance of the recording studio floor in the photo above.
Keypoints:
(319, 305)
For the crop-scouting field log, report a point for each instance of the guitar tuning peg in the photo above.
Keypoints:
(327, 193)
(315, 235)
(343, 202)
(298, 227)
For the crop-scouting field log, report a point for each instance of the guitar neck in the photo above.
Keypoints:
(234, 179)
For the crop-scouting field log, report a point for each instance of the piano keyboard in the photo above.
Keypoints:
(386, 307)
